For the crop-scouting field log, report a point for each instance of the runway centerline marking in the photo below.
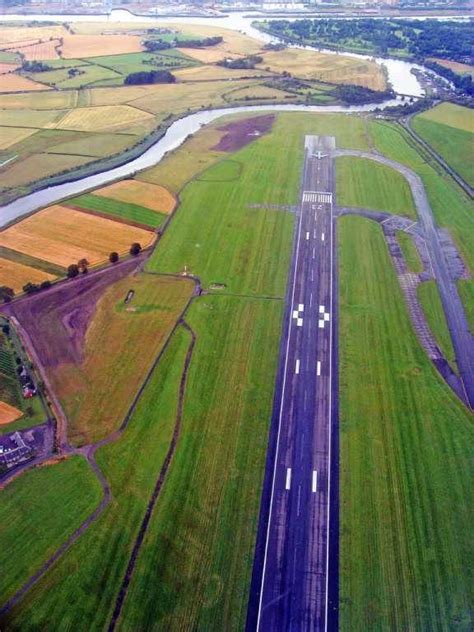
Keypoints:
(307, 236)
(288, 478)
(322, 236)
(297, 367)
(315, 481)
(318, 368)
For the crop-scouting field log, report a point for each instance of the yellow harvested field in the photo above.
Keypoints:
(119, 95)
(38, 166)
(8, 413)
(150, 196)
(11, 135)
(16, 275)
(51, 100)
(455, 66)
(15, 83)
(234, 43)
(6, 68)
(452, 115)
(63, 236)
(211, 73)
(44, 50)
(19, 34)
(258, 91)
(208, 55)
(93, 119)
(307, 64)
(75, 46)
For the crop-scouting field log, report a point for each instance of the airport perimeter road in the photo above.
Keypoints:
(294, 583)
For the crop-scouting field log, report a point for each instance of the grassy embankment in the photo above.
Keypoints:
(451, 207)
(226, 416)
(410, 253)
(430, 300)
(449, 129)
(406, 499)
(38, 512)
(367, 184)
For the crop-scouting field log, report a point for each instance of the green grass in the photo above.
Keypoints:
(451, 207)
(430, 300)
(410, 253)
(28, 260)
(125, 210)
(38, 512)
(224, 171)
(466, 291)
(406, 459)
(138, 62)
(364, 183)
(456, 146)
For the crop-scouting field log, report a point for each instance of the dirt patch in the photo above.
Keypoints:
(8, 413)
(57, 320)
(241, 133)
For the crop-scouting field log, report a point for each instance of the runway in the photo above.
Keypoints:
(295, 575)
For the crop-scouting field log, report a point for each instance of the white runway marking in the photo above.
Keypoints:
(299, 322)
(318, 368)
(297, 367)
(315, 481)
(5, 162)
(307, 236)
(322, 236)
(321, 309)
(321, 324)
(310, 299)
(288, 478)
(314, 253)
(321, 197)
(314, 233)
(301, 307)
(326, 316)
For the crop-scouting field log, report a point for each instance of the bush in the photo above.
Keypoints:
(6, 293)
(135, 249)
(72, 270)
(152, 76)
(31, 288)
(113, 257)
(44, 285)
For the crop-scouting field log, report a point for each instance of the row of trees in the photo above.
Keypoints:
(75, 269)
(160, 44)
(147, 77)
(245, 63)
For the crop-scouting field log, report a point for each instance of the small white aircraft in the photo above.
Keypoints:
(319, 155)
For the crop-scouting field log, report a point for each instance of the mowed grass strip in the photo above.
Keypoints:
(428, 295)
(364, 183)
(406, 499)
(410, 252)
(64, 236)
(121, 343)
(88, 577)
(38, 511)
(466, 291)
(115, 208)
(456, 146)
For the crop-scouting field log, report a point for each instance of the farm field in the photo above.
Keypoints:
(307, 64)
(151, 196)
(406, 559)
(20, 173)
(364, 183)
(410, 253)
(38, 512)
(430, 300)
(11, 135)
(453, 140)
(16, 275)
(125, 211)
(97, 367)
(8, 413)
(63, 236)
(16, 83)
(103, 118)
(460, 69)
(452, 209)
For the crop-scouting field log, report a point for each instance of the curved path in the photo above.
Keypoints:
(458, 326)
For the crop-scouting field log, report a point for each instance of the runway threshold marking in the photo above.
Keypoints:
(288, 478)
(315, 481)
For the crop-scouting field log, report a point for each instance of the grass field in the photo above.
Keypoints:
(64, 236)
(38, 512)
(12, 135)
(101, 118)
(364, 183)
(88, 74)
(121, 343)
(20, 173)
(16, 275)
(452, 140)
(118, 209)
(88, 144)
(148, 195)
(460, 69)
(452, 209)
(430, 300)
(406, 498)
(410, 253)
(138, 62)
(16, 83)
(307, 64)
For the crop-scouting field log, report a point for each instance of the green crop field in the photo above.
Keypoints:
(410, 253)
(87, 75)
(406, 468)
(38, 512)
(430, 300)
(132, 212)
(138, 62)
(367, 184)
(456, 146)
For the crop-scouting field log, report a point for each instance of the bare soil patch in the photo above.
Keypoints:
(242, 132)
(8, 413)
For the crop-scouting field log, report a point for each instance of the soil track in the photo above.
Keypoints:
(243, 132)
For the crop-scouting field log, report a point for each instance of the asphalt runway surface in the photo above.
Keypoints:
(294, 583)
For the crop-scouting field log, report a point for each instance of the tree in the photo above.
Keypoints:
(72, 270)
(135, 249)
(44, 285)
(6, 293)
(153, 76)
(82, 264)
(113, 257)
(6, 330)
(31, 288)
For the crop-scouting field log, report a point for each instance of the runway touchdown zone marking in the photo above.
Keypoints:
(324, 317)
(297, 315)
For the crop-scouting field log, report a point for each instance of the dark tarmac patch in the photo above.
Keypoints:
(241, 133)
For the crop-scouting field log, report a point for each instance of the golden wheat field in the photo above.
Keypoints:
(8, 413)
(11, 135)
(63, 236)
(15, 83)
(75, 46)
(16, 275)
(151, 196)
(93, 119)
(41, 51)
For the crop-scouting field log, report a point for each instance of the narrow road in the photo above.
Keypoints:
(453, 308)
(294, 583)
